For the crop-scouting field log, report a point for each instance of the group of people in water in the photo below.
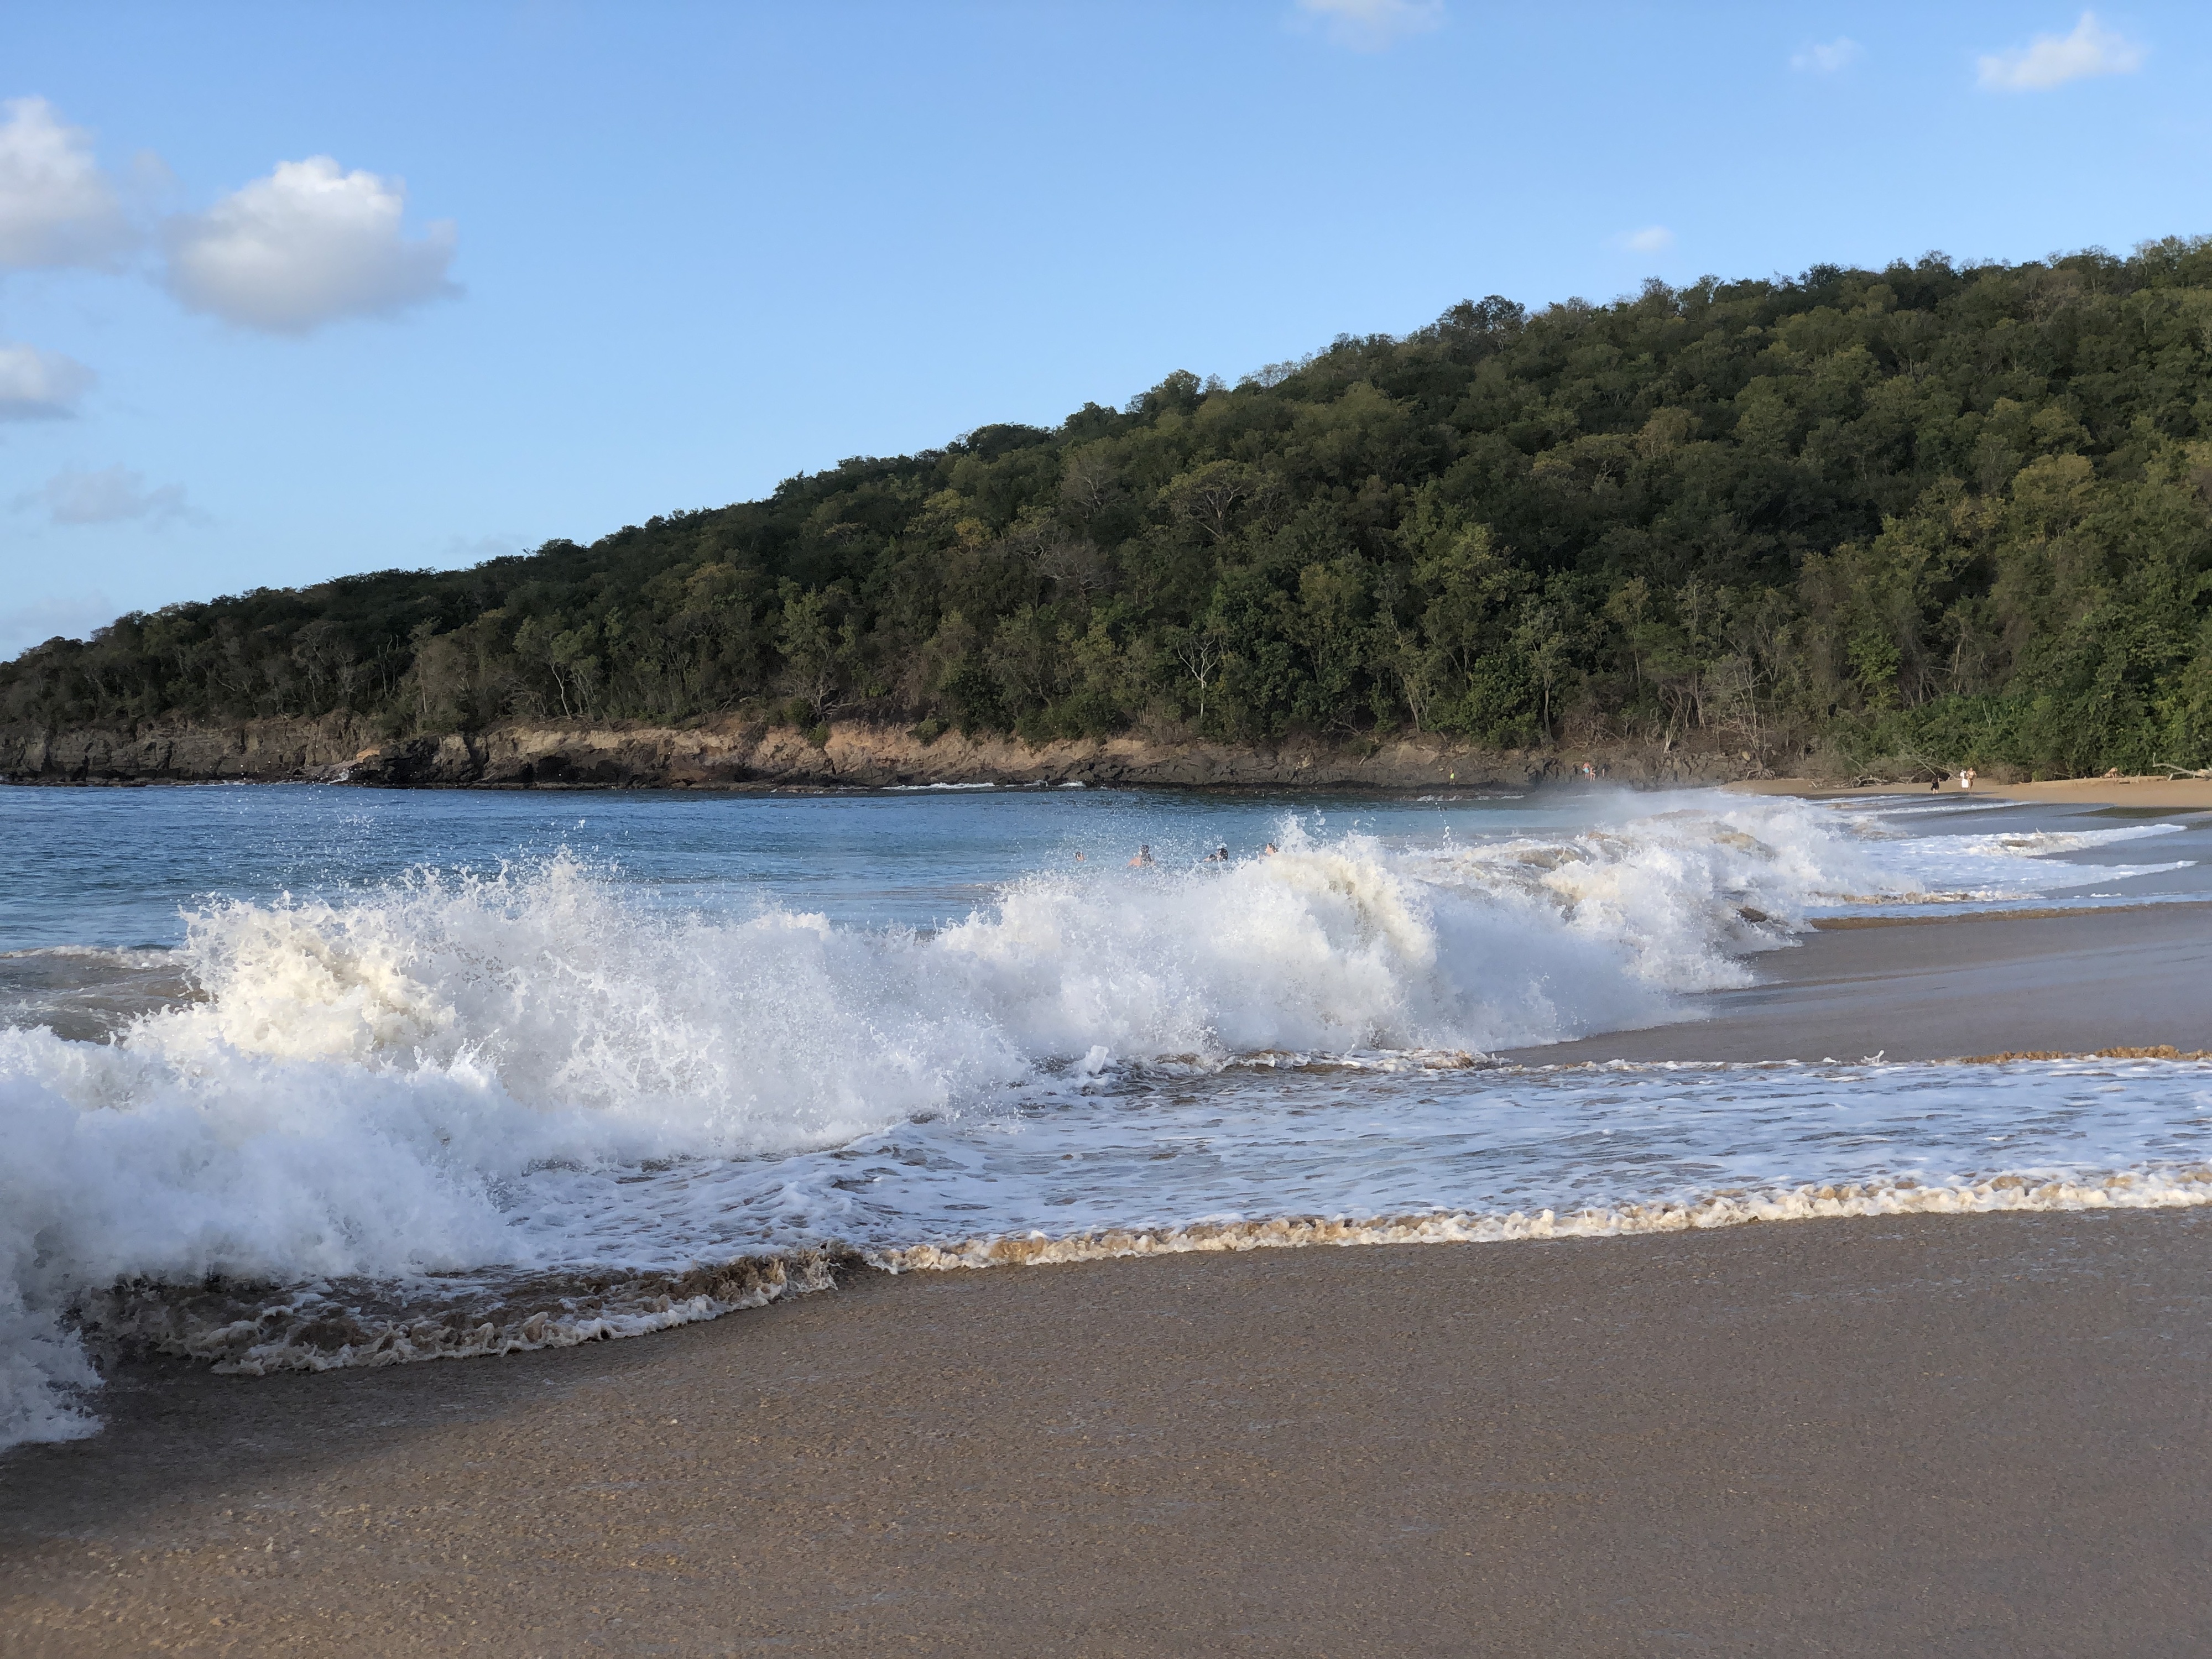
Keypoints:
(1219, 855)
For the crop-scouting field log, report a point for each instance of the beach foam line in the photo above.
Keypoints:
(2158, 1051)
(2009, 1192)
(257, 1331)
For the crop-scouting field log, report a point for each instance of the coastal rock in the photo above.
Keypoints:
(736, 754)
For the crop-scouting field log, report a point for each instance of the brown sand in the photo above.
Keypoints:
(1968, 1436)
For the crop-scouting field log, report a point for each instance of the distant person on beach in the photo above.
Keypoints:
(1144, 856)
(1966, 778)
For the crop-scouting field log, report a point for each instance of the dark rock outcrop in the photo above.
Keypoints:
(737, 755)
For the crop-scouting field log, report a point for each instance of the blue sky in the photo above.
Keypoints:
(289, 291)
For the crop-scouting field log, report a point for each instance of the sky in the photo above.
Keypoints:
(291, 291)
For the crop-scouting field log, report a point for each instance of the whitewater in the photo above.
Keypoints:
(291, 1080)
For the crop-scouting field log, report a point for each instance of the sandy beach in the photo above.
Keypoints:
(2162, 793)
(1981, 1435)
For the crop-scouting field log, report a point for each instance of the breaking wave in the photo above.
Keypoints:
(468, 1114)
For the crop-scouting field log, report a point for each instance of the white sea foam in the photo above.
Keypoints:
(456, 1085)
(2003, 867)
(2009, 1193)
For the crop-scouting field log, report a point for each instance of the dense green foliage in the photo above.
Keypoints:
(1961, 513)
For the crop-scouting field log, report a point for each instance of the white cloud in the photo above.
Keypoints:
(72, 618)
(1828, 57)
(57, 207)
(1652, 239)
(110, 495)
(304, 246)
(40, 386)
(2051, 60)
(478, 549)
(1372, 25)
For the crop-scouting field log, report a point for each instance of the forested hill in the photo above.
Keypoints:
(1962, 513)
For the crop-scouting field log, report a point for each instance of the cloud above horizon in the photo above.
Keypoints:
(1828, 57)
(2052, 60)
(41, 385)
(57, 207)
(1652, 239)
(1373, 25)
(111, 495)
(307, 245)
(479, 549)
(74, 617)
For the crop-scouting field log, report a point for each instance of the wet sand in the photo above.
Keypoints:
(2071, 981)
(1984, 1435)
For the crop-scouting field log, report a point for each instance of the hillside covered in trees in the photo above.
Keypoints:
(1956, 513)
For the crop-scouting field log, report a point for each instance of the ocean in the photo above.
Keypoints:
(310, 1077)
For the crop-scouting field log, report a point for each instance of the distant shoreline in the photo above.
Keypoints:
(739, 755)
(2158, 793)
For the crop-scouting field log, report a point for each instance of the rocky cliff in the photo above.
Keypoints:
(739, 755)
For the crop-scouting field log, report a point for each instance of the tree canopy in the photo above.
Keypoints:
(1953, 510)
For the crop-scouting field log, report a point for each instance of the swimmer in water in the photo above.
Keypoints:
(1219, 855)
(1144, 856)
(1269, 852)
